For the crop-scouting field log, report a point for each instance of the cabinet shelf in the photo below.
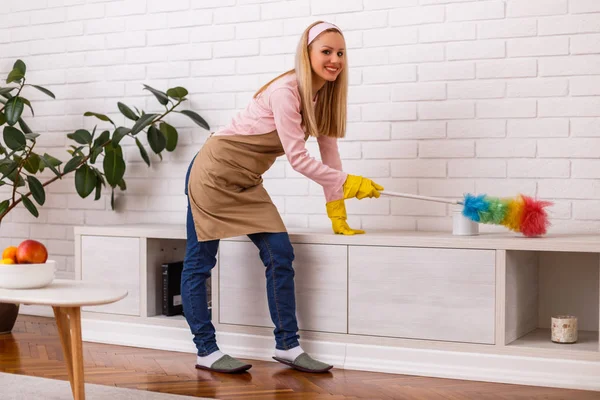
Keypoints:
(541, 284)
(165, 318)
(540, 339)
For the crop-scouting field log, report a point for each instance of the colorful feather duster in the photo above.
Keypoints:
(521, 214)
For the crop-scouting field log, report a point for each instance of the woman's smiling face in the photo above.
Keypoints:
(327, 56)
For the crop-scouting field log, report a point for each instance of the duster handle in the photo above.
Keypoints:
(418, 197)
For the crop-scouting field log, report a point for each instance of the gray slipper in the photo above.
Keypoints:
(305, 363)
(226, 365)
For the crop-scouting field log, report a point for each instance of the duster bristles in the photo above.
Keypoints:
(473, 205)
(521, 214)
(535, 219)
(496, 211)
(515, 214)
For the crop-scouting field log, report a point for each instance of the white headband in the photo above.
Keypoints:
(320, 28)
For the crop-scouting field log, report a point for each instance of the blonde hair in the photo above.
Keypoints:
(328, 117)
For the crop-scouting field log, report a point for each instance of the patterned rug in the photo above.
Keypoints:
(22, 387)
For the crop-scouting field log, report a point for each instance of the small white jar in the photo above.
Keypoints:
(463, 226)
(564, 329)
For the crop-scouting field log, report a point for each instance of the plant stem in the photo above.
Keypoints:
(165, 114)
(20, 88)
(23, 161)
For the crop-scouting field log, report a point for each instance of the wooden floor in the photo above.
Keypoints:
(33, 348)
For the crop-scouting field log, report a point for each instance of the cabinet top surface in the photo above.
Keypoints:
(506, 241)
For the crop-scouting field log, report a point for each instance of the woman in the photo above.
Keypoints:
(226, 197)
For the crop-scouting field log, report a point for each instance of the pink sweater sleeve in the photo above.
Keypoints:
(288, 122)
(330, 155)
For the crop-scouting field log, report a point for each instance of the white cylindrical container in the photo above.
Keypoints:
(463, 226)
(564, 329)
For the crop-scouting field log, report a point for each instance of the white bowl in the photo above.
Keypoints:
(27, 276)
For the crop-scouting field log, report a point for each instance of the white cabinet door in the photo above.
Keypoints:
(420, 293)
(114, 261)
(320, 282)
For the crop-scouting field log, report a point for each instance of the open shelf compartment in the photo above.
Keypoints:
(542, 284)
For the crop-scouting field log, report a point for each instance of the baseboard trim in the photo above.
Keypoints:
(571, 374)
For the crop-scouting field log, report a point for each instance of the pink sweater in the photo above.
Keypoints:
(278, 108)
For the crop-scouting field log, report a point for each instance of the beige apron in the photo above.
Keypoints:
(227, 197)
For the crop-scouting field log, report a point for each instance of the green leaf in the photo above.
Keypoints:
(15, 76)
(51, 163)
(81, 136)
(114, 147)
(32, 164)
(5, 90)
(156, 140)
(142, 151)
(30, 206)
(143, 122)
(20, 66)
(114, 168)
(122, 185)
(3, 206)
(13, 110)
(10, 172)
(37, 189)
(8, 168)
(76, 151)
(95, 153)
(72, 164)
(2, 119)
(55, 162)
(170, 134)
(101, 117)
(127, 112)
(196, 118)
(119, 134)
(112, 200)
(28, 104)
(101, 140)
(85, 181)
(178, 93)
(160, 96)
(14, 138)
(24, 126)
(98, 190)
(44, 90)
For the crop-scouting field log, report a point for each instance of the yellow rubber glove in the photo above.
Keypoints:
(336, 211)
(359, 187)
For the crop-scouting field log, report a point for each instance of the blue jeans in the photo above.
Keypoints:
(277, 255)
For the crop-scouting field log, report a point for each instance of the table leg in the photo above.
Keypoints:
(68, 320)
(64, 332)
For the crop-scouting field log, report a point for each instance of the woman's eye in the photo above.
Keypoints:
(340, 54)
(326, 52)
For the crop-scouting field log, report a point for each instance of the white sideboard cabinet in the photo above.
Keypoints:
(419, 303)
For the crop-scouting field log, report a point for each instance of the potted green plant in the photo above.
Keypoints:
(96, 158)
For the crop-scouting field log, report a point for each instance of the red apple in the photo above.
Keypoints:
(31, 252)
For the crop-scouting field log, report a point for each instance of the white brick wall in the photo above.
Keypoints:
(446, 97)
